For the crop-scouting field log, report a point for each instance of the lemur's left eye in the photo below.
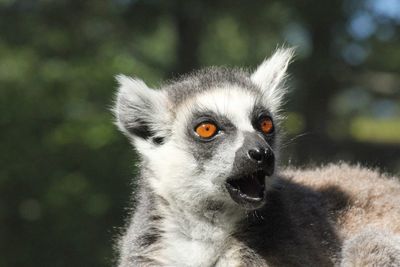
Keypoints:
(266, 125)
(206, 130)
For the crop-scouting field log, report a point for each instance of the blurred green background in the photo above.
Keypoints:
(66, 173)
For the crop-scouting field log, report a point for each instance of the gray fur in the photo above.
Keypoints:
(184, 215)
(202, 80)
(372, 247)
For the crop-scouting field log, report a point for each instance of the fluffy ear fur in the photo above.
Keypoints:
(141, 112)
(270, 75)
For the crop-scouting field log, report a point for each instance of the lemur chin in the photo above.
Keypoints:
(210, 190)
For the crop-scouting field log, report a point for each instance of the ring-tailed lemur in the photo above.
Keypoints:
(209, 192)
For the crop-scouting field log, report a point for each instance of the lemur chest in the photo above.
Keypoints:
(194, 253)
(183, 250)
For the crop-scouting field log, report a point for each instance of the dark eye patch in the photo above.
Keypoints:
(222, 122)
(259, 112)
(204, 150)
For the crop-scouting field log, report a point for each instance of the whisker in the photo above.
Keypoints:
(293, 139)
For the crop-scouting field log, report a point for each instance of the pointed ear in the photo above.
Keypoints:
(270, 75)
(141, 112)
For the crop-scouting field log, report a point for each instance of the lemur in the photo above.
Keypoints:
(211, 192)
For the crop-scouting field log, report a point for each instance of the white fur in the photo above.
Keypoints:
(133, 94)
(187, 241)
(270, 75)
(234, 103)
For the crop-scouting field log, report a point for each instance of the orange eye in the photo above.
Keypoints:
(266, 125)
(206, 129)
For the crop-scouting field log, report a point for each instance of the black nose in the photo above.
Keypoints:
(254, 155)
(258, 155)
(263, 157)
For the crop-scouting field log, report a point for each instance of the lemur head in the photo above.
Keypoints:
(210, 137)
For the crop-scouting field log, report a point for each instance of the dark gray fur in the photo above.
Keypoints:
(204, 149)
(143, 231)
(293, 228)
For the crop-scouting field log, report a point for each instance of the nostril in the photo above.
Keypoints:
(257, 155)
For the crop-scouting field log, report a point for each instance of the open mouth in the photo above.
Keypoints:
(248, 190)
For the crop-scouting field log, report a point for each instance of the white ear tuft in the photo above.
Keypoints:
(131, 88)
(271, 74)
(140, 111)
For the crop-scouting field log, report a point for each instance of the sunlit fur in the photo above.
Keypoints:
(183, 213)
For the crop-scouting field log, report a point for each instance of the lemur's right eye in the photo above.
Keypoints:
(266, 125)
(206, 130)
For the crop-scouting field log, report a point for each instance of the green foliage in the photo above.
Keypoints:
(384, 130)
(66, 173)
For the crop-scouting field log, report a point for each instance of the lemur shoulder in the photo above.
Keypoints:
(211, 191)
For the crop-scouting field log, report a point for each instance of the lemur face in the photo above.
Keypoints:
(209, 139)
(229, 135)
